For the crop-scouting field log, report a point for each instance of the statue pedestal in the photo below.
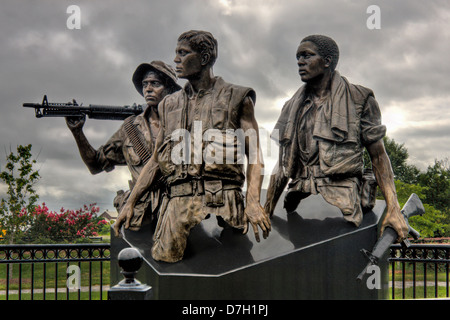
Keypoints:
(311, 254)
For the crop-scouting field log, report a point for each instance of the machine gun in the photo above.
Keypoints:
(72, 109)
(411, 208)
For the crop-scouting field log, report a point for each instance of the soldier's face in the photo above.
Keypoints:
(311, 65)
(188, 63)
(153, 89)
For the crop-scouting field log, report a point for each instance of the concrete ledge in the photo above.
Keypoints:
(311, 254)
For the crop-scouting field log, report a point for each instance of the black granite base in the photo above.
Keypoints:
(311, 254)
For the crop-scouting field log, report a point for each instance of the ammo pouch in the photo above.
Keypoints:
(120, 199)
(213, 193)
(164, 158)
(368, 190)
(213, 190)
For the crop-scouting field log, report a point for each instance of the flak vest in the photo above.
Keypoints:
(212, 147)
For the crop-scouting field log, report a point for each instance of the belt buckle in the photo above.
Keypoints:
(197, 188)
(194, 186)
(306, 172)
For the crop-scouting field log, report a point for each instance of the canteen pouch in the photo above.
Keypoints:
(368, 190)
(213, 193)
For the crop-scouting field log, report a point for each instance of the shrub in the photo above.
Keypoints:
(65, 225)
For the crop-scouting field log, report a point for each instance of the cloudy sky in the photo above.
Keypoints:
(406, 62)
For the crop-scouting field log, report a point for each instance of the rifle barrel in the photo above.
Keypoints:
(32, 105)
(103, 112)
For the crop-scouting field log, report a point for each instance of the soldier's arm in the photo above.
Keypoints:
(87, 152)
(146, 179)
(278, 182)
(385, 178)
(254, 213)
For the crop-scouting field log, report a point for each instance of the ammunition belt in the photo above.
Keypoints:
(197, 187)
(137, 140)
(312, 171)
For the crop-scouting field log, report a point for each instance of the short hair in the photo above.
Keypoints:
(326, 46)
(201, 41)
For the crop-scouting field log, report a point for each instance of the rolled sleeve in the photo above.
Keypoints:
(372, 129)
(110, 154)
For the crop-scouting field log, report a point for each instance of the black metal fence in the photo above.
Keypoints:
(34, 271)
(420, 271)
(79, 271)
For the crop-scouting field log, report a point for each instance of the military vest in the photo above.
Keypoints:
(339, 154)
(208, 142)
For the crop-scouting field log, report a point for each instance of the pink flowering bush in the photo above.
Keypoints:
(65, 225)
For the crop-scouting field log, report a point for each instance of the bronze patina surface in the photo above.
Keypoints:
(323, 131)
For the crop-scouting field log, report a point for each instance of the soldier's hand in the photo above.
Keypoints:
(257, 217)
(269, 208)
(124, 217)
(395, 220)
(75, 123)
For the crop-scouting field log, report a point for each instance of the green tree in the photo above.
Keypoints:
(432, 187)
(433, 222)
(20, 178)
(437, 179)
(437, 193)
(398, 155)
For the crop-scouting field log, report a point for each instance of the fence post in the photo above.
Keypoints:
(130, 260)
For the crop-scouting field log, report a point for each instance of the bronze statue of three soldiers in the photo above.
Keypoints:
(323, 130)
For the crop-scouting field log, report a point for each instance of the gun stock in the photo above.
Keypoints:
(411, 208)
(72, 109)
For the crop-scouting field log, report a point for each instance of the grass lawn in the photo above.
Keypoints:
(420, 272)
(33, 275)
(420, 292)
(95, 295)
